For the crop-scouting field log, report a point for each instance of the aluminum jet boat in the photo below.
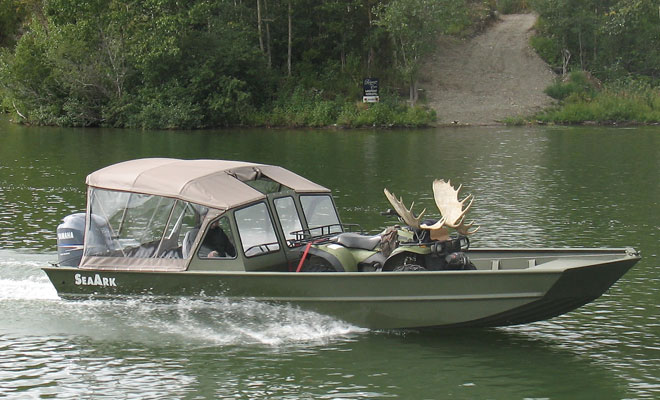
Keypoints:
(163, 227)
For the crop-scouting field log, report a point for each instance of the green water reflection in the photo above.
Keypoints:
(554, 186)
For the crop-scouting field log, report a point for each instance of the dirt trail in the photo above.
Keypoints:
(495, 75)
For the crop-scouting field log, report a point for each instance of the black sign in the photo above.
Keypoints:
(370, 87)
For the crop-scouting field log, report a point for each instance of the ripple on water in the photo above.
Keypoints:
(47, 366)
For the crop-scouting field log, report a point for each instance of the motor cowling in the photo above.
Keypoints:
(70, 239)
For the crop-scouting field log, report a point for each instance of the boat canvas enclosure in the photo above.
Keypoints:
(146, 214)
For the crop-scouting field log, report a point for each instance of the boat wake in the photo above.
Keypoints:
(29, 305)
(21, 277)
(224, 321)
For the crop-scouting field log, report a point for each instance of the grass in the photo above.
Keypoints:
(304, 108)
(581, 101)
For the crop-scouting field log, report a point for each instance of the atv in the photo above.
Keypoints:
(418, 245)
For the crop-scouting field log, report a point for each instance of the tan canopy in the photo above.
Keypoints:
(212, 183)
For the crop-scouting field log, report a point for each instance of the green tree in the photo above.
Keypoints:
(413, 26)
(12, 16)
(631, 31)
(201, 63)
(573, 26)
(608, 37)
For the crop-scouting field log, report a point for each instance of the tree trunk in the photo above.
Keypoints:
(18, 112)
(288, 61)
(581, 52)
(371, 56)
(566, 58)
(414, 96)
(596, 36)
(370, 59)
(268, 52)
(342, 57)
(261, 38)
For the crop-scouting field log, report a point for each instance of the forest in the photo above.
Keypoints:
(197, 64)
(607, 54)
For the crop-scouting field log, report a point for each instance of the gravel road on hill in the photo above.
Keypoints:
(480, 81)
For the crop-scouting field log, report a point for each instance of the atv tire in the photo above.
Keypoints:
(409, 267)
(317, 264)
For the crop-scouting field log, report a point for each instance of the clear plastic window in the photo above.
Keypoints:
(137, 225)
(255, 228)
(320, 212)
(265, 185)
(288, 216)
(218, 241)
(182, 229)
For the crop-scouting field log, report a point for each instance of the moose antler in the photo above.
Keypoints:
(405, 214)
(452, 211)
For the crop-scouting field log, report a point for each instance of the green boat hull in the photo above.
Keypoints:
(509, 287)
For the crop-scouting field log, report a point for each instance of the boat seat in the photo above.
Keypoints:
(146, 250)
(357, 241)
(188, 241)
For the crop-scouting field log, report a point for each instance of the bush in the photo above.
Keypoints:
(302, 107)
(384, 114)
(547, 49)
(512, 6)
(579, 85)
(631, 101)
(166, 107)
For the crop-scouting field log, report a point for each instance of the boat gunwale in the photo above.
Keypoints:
(537, 269)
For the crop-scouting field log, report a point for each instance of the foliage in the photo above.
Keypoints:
(515, 121)
(12, 14)
(413, 26)
(151, 64)
(629, 101)
(578, 85)
(512, 6)
(385, 115)
(547, 48)
(610, 38)
(616, 41)
(311, 108)
(171, 64)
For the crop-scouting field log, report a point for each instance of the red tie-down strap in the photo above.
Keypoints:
(302, 260)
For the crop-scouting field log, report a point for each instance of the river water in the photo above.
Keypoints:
(541, 186)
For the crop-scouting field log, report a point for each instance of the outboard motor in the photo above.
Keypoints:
(70, 239)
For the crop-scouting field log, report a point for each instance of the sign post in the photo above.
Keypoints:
(370, 90)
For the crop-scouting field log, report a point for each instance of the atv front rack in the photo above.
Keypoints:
(322, 233)
(454, 244)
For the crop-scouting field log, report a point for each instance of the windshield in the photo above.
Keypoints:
(288, 216)
(320, 212)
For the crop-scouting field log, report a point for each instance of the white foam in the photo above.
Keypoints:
(225, 322)
(21, 277)
(26, 290)
(213, 321)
